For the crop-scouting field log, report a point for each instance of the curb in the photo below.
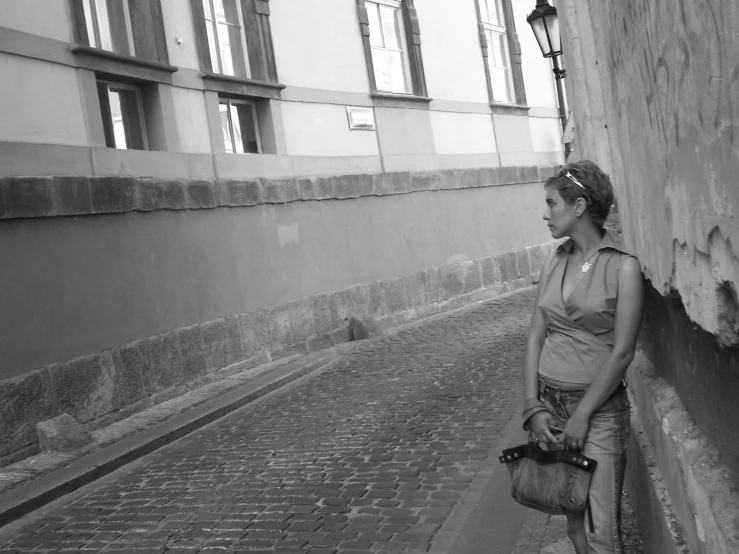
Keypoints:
(34, 494)
(486, 483)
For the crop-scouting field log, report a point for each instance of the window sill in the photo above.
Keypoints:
(117, 64)
(509, 109)
(393, 100)
(241, 86)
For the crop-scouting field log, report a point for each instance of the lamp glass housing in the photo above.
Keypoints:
(545, 24)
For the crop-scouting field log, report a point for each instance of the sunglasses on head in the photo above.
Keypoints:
(572, 178)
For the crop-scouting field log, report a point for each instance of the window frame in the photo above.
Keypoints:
(94, 23)
(403, 47)
(412, 36)
(259, 51)
(240, 102)
(513, 51)
(144, 27)
(107, 115)
(242, 36)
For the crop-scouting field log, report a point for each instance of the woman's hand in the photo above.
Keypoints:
(540, 428)
(575, 432)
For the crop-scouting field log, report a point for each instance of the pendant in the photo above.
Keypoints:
(585, 267)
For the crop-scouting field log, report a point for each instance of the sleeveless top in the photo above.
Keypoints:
(580, 332)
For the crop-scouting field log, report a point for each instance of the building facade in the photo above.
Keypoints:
(195, 185)
(652, 89)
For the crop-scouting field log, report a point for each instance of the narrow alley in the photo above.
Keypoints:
(392, 448)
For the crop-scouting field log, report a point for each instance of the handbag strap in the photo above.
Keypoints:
(535, 453)
(589, 511)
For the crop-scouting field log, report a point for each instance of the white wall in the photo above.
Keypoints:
(46, 18)
(177, 16)
(29, 112)
(462, 133)
(323, 130)
(192, 121)
(546, 134)
(318, 44)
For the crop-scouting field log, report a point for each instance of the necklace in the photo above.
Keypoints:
(587, 265)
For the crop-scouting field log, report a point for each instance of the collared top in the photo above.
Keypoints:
(580, 332)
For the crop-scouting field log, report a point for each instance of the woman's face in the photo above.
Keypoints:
(559, 215)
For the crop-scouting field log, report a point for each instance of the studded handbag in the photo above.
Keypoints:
(551, 481)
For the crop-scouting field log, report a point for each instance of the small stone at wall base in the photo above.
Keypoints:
(362, 327)
(62, 433)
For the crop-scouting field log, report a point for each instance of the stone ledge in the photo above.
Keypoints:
(651, 501)
(104, 387)
(704, 498)
(31, 197)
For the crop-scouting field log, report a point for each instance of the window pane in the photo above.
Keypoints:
(207, 10)
(132, 122)
(391, 27)
(236, 124)
(231, 48)
(490, 12)
(87, 7)
(115, 112)
(500, 73)
(503, 50)
(125, 112)
(496, 57)
(382, 71)
(238, 56)
(374, 25)
(224, 47)
(226, 128)
(244, 114)
(103, 21)
(213, 47)
(227, 11)
(113, 26)
(397, 72)
(501, 92)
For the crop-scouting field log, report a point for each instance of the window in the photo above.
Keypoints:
(108, 25)
(240, 127)
(387, 41)
(130, 28)
(499, 63)
(123, 117)
(392, 45)
(234, 39)
(226, 40)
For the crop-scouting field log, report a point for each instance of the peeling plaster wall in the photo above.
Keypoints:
(653, 89)
(670, 73)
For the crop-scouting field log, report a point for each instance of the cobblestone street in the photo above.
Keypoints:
(371, 455)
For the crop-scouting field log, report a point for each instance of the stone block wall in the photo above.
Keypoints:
(103, 386)
(106, 386)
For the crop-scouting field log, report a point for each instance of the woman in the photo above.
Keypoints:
(582, 339)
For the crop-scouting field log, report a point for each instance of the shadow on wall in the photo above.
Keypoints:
(704, 372)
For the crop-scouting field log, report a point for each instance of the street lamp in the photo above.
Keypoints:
(545, 24)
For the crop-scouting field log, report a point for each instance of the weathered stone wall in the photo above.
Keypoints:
(122, 292)
(106, 386)
(669, 75)
(654, 84)
(653, 91)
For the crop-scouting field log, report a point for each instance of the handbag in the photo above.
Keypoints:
(550, 481)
